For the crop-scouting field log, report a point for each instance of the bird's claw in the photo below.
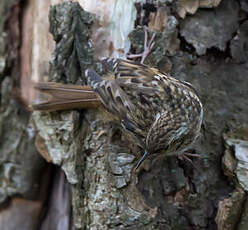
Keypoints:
(148, 45)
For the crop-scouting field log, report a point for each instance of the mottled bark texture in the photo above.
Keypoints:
(19, 156)
(206, 47)
(86, 145)
(20, 164)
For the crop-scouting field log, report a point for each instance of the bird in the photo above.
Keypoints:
(161, 114)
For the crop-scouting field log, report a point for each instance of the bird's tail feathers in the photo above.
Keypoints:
(65, 97)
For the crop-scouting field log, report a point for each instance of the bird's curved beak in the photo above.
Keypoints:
(146, 154)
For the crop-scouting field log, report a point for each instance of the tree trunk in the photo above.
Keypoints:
(202, 42)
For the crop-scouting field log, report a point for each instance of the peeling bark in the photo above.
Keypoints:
(204, 47)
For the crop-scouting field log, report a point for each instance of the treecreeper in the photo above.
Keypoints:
(159, 112)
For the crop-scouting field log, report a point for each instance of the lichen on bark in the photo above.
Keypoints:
(81, 141)
(20, 163)
(70, 26)
(176, 194)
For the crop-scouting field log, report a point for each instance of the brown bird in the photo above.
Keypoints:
(161, 113)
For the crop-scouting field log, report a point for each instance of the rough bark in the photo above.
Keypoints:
(21, 166)
(207, 47)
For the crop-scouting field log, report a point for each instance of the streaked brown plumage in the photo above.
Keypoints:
(158, 111)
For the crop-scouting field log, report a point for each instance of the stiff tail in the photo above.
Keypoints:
(65, 97)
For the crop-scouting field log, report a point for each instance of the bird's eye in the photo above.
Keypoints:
(179, 145)
(175, 145)
(167, 147)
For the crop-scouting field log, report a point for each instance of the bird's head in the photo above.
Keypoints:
(175, 146)
(169, 138)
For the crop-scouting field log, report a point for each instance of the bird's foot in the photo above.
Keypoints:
(148, 45)
(186, 156)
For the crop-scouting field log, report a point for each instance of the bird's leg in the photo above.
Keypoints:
(187, 155)
(147, 47)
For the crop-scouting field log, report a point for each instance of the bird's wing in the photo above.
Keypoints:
(130, 74)
(114, 99)
(130, 94)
